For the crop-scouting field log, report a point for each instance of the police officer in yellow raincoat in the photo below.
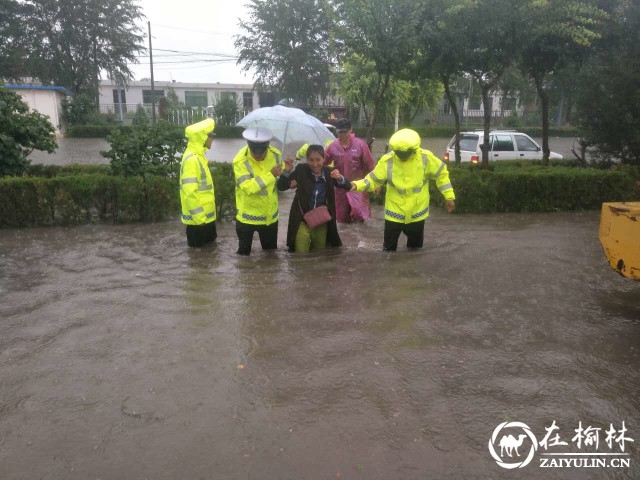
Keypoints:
(196, 185)
(406, 171)
(256, 168)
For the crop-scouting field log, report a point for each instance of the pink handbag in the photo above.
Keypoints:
(316, 217)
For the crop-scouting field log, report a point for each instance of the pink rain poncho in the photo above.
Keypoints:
(354, 162)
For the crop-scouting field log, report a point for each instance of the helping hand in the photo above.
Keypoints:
(335, 174)
(277, 170)
(353, 187)
(288, 164)
(451, 205)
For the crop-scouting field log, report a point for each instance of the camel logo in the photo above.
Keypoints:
(511, 446)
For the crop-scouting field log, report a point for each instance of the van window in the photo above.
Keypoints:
(468, 143)
(502, 143)
(525, 144)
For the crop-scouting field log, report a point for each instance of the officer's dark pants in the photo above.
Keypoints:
(199, 235)
(392, 230)
(268, 236)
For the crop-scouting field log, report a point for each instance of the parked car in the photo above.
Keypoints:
(504, 145)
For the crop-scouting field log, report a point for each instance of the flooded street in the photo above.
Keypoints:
(87, 150)
(126, 356)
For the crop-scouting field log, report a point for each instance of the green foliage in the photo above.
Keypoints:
(146, 150)
(226, 110)
(69, 42)
(608, 101)
(75, 194)
(21, 132)
(225, 188)
(80, 110)
(50, 171)
(288, 44)
(85, 199)
(535, 188)
(141, 117)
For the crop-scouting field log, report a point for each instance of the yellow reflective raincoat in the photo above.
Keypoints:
(196, 185)
(407, 196)
(256, 190)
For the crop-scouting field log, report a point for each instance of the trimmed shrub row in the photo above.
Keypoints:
(537, 189)
(103, 131)
(87, 198)
(68, 200)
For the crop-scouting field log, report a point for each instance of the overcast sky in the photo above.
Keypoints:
(200, 26)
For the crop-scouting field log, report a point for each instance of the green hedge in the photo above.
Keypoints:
(103, 131)
(537, 189)
(65, 199)
(50, 171)
(77, 199)
(448, 131)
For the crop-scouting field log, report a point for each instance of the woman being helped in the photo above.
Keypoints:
(315, 187)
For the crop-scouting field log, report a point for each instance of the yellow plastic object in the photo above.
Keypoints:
(620, 237)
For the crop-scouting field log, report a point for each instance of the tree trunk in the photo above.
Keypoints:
(544, 100)
(487, 123)
(456, 115)
(376, 103)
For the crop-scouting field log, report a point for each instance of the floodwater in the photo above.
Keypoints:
(125, 355)
(87, 150)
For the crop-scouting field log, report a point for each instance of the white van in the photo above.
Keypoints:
(505, 145)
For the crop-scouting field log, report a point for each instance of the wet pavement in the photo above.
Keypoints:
(124, 355)
(87, 150)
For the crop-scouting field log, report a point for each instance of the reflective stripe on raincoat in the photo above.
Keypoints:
(407, 197)
(197, 196)
(256, 190)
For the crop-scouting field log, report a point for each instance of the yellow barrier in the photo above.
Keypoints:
(620, 237)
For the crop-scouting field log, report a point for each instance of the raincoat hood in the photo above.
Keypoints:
(197, 134)
(405, 139)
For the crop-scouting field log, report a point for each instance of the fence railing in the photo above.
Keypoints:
(184, 116)
(498, 117)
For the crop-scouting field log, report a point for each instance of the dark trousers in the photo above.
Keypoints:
(199, 235)
(268, 236)
(392, 230)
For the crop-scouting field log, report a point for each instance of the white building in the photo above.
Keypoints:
(193, 95)
(44, 99)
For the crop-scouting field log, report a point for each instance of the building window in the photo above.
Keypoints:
(195, 99)
(247, 100)
(146, 96)
(123, 98)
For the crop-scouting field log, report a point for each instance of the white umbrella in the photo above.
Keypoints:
(288, 125)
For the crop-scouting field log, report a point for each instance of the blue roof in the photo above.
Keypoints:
(66, 91)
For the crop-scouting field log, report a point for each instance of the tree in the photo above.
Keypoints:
(69, 42)
(490, 32)
(383, 33)
(226, 110)
(441, 51)
(146, 150)
(288, 43)
(608, 101)
(12, 49)
(21, 132)
(557, 33)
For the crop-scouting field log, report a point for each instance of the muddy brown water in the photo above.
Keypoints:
(124, 355)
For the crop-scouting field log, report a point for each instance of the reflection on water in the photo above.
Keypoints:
(127, 355)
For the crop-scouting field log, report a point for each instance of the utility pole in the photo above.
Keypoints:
(153, 85)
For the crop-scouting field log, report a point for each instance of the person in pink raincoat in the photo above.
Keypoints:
(352, 157)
